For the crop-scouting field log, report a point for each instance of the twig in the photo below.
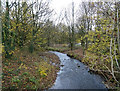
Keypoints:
(115, 55)
(112, 70)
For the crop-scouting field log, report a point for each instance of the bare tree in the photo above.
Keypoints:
(71, 29)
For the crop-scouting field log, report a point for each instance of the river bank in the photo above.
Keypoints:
(30, 71)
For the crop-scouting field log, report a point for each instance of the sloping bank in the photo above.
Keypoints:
(30, 71)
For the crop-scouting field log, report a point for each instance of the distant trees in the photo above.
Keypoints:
(63, 33)
(85, 21)
(49, 33)
(70, 20)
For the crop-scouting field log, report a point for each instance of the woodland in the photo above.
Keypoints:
(28, 34)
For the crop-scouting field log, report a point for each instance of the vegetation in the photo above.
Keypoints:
(98, 32)
(27, 28)
(104, 42)
(23, 40)
(100, 43)
(29, 71)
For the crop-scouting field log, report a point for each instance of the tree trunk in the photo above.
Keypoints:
(0, 48)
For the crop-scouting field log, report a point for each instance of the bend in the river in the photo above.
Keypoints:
(74, 75)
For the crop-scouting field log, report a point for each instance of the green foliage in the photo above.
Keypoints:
(32, 79)
(99, 35)
(25, 73)
(21, 28)
(42, 70)
(31, 48)
(15, 79)
(6, 39)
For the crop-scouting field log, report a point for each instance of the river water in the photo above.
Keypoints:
(74, 75)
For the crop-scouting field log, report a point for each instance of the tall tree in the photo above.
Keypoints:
(71, 29)
(6, 32)
(0, 47)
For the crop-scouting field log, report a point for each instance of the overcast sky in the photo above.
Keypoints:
(59, 5)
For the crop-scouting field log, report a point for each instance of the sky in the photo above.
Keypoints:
(61, 5)
(58, 5)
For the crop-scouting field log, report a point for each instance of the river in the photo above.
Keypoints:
(74, 75)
